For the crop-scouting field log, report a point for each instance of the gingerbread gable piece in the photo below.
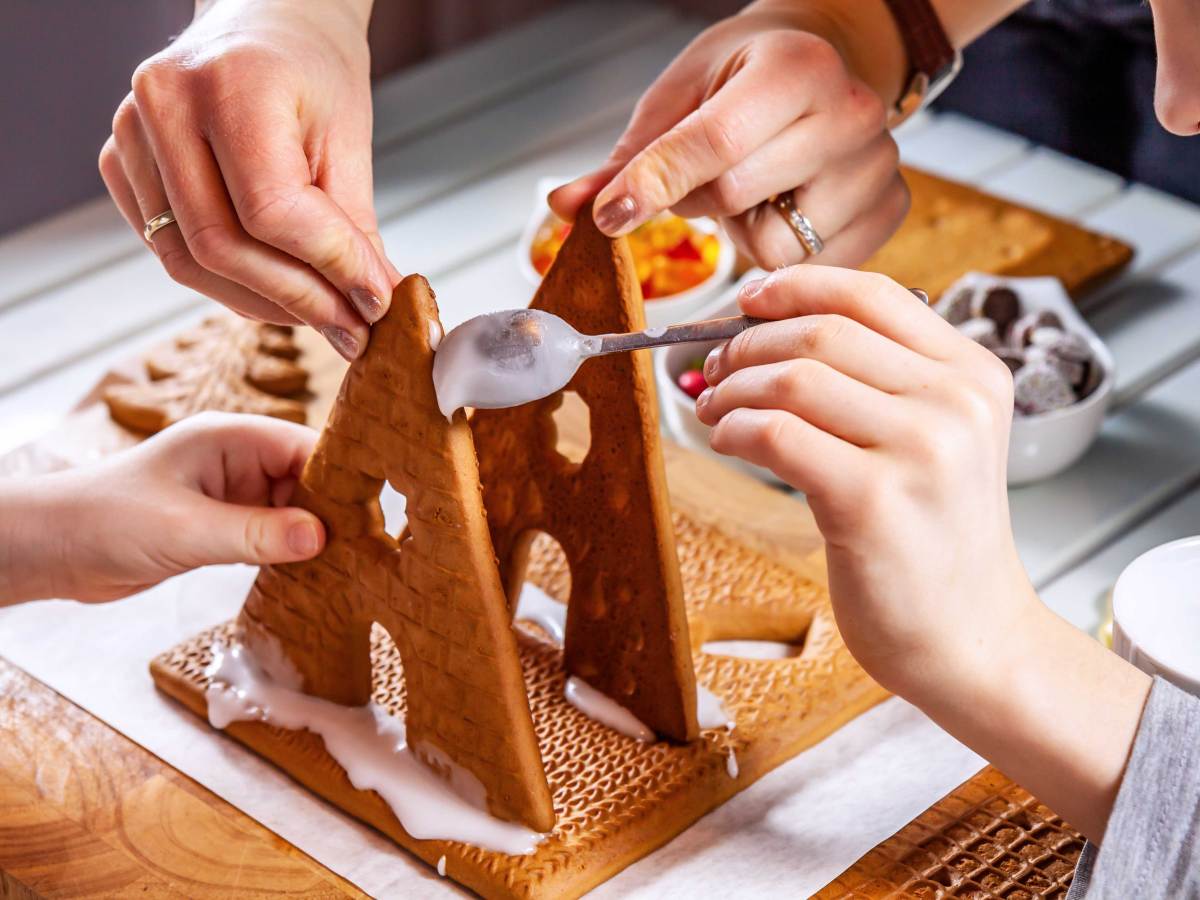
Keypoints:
(627, 632)
(435, 588)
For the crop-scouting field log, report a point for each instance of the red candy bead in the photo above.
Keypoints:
(692, 383)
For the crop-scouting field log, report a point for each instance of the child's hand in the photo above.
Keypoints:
(211, 489)
(896, 428)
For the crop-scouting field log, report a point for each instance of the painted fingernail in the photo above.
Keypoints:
(712, 362)
(753, 288)
(616, 214)
(702, 400)
(342, 341)
(368, 305)
(302, 538)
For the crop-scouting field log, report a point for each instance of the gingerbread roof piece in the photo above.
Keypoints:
(627, 632)
(435, 588)
(225, 363)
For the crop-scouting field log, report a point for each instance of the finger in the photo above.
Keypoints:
(758, 101)
(216, 241)
(231, 533)
(118, 185)
(819, 394)
(866, 184)
(804, 150)
(270, 181)
(807, 458)
(844, 344)
(858, 242)
(874, 301)
(672, 96)
(238, 458)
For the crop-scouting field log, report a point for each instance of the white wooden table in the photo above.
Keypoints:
(460, 144)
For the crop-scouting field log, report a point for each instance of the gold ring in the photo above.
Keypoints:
(162, 220)
(798, 222)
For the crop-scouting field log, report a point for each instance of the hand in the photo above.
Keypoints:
(895, 426)
(254, 127)
(757, 105)
(211, 489)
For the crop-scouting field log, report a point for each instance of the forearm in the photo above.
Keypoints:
(1051, 708)
(867, 37)
(32, 539)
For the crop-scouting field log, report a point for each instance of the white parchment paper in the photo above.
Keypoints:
(790, 833)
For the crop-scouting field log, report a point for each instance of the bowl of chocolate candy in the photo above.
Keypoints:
(1062, 372)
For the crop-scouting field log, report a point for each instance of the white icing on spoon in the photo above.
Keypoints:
(371, 745)
(507, 358)
(605, 710)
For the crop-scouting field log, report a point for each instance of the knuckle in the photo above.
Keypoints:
(721, 136)
(798, 377)
(153, 78)
(868, 109)
(804, 52)
(212, 246)
(728, 195)
(110, 161)
(265, 212)
(180, 266)
(125, 120)
(819, 333)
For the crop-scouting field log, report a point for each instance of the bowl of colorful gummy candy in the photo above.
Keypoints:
(1063, 374)
(682, 264)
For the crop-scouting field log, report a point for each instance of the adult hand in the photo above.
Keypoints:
(212, 489)
(896, 426)
(759, 104)
(254, 128)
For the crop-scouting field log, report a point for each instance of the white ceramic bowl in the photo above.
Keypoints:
(1156, 613)
(1045, 444)
(667, 311)
(678, 409)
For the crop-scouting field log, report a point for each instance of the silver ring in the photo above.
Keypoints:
(798, 222)
(162, 220)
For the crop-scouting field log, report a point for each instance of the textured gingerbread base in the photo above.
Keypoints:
(615, 799)
(987, 839)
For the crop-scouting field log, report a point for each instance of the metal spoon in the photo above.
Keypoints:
(516, 356)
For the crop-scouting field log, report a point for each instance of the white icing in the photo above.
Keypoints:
(750, 649)
(371, 745)
(435, 334)
(731, 765)
(655, 333)
(710, 712)
(536, 606)
(441, 867)
(605, 710)
(507, 358)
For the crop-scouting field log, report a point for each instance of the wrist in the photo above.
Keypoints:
(359, 11)
(33, 561)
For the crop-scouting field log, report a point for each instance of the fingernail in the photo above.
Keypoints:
(368, 305)
(616, 214)
(712, 362)
(343, 341)
(753, 288)
(702, 400)
(302, 538)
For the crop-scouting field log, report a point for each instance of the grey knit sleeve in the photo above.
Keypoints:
(1152, 843)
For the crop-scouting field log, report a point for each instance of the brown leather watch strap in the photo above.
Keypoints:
(929, 50)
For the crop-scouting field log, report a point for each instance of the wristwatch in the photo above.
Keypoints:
(932, 59)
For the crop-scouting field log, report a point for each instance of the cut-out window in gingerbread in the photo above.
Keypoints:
(627, 632)
(434, 588)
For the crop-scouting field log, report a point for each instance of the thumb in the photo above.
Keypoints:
(229, 533)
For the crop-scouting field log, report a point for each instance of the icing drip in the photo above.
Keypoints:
(710, 712)
(536, 606)
(750, 649)
(371, 745)
(435, 336)
(441, 867)
(603, 709)
(731, 765)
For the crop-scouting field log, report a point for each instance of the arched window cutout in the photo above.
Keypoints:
(573, 428)
(542, 601)
(760, 637)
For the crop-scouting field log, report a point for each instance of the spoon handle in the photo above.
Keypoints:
(712, 330)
